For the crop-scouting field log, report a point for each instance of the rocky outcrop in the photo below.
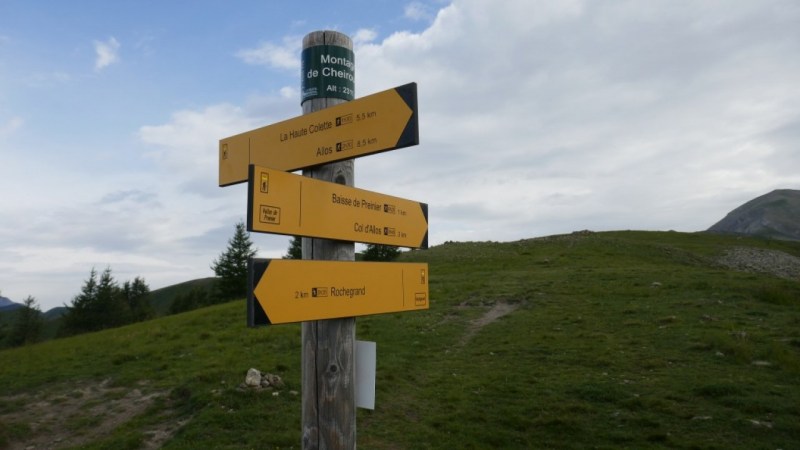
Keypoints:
(255, 379)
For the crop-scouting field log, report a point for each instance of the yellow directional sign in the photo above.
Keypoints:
(284, 203)
(285, 290)
(375, 123)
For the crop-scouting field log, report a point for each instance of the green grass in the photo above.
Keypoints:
(619, 340)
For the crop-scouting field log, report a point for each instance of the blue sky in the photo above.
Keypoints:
(536, 118)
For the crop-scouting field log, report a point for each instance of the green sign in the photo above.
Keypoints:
(327, 71)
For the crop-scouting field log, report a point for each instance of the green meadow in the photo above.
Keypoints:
(590, 340)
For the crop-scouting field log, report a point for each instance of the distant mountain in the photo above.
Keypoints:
(7, 305)
(775, 215)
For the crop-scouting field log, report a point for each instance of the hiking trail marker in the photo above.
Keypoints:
(326, 290)
(288, 290)
(372, 124)
(285, 203)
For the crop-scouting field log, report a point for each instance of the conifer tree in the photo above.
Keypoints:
(103, 304)
(112, 307)
(295, 248)
(377, 252)
(231, 266)
(136, 295)
(28, 324)
(82, 312)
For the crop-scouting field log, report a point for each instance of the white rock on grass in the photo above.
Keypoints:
(253, 378)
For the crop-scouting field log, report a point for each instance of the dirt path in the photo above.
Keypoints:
(80, 413)
(497, 311)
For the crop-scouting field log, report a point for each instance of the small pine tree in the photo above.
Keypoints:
(81, 313)
(295, 248)
(377, 252)
(136, 296)
(231, 266)
(100, 305)
(112, 305)
(28, 324)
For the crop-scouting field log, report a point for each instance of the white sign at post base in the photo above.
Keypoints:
(365, 374)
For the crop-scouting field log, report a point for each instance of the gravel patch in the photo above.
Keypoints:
(775, 262)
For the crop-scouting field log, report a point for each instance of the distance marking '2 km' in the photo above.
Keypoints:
(290, 290)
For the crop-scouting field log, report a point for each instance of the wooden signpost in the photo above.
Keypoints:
(283, 203)
(327, 289)
(376, 123)
(288, 290)
(328, 412)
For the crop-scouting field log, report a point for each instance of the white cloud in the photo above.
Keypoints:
(165, 223)
(10, 126)
(654, 113)
(188, 142)
(107, 53)
(289, 93)
(418, 11)
(280, 56)
(364, 36)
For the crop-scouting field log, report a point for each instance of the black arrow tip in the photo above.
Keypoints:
(424, 207)
(410, 134)
(256, 316)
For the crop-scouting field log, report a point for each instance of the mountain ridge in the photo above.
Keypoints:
(6, 304)
(774, 215)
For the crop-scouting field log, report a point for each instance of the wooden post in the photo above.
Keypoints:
(328, 366)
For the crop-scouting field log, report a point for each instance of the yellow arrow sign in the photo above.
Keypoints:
(285, 290)
(375, 123)
(285, 203)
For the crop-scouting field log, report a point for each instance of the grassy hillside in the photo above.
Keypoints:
(590, 340)
(161, 299)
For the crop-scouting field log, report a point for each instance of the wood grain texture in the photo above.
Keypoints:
(328, 365)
